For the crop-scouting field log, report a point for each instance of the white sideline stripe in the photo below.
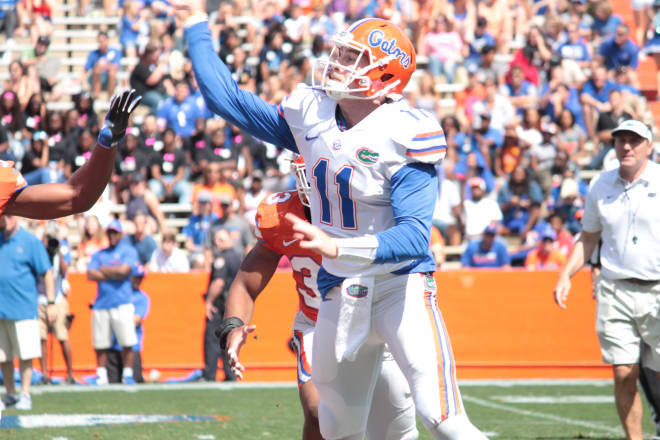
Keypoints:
(561, 400)
(545, 416)
(505, 383)
(159, 387)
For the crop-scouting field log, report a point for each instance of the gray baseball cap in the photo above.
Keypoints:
(639, 128)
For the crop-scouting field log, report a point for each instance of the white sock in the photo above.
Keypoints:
(102, 373)
(127, 372)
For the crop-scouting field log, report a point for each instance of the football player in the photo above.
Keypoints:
(84, 187)
(370, 159)
(392, 414)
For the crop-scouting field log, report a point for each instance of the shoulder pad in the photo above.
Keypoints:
(422, 139)
(294, 107)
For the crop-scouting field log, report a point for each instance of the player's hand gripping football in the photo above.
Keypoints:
(235, 341)
(116, 121)
(312, 237)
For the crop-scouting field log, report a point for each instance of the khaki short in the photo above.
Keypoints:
(19, 339)
(60, 327)
(119, 321)
(628, 314)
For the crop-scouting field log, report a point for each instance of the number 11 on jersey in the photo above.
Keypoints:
(342, 183)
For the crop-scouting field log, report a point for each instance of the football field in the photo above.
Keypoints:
(503, 409)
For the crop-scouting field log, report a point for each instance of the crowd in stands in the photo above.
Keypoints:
(527, 93)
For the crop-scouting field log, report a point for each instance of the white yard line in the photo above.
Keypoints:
(554, 400)
(545, 416)
(162, 386)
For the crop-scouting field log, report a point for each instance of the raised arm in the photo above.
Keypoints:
(221, 93)
(85, 186)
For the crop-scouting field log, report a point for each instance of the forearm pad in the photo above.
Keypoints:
(227, 325)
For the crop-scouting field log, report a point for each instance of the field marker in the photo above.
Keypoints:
(540, 415)
(66, 420)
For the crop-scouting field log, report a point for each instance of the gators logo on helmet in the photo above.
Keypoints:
(357, 291)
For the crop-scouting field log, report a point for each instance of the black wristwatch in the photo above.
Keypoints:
(51, 302)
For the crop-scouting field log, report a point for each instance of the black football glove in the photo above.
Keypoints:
(116, 121)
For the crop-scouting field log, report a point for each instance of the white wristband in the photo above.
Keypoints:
(195, 18)
(357, 249)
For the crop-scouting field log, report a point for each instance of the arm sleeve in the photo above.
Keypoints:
(413, 194)
(223, 96)
(590, 218)
(94, 263)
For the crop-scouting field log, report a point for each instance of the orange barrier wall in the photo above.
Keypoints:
(502, 325)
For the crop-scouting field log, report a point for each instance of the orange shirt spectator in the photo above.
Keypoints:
(545, 256)
(217, 192)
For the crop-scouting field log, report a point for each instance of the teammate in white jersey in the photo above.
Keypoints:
(370, 159)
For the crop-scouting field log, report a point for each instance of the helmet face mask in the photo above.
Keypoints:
(372, 58)
(303, 187)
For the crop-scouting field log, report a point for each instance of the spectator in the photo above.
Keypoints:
(87, 117)
(447, 213)
(143, 242)
(481, 39)
(521, 93)
(133, 24)
(564, 242)
(571, 136)
(620, 51)
(47, 67)
(113, 310)
(58, 145)
(605, 22)
(102, 66)
(608, 121)
(168, 171)
(595, 97)
(425, 97)
(253, 196)
(198, 148)
(529, 131)
(35, 164)
(150, 79)
(444, 48)
(197, 229)
(569, 202)
(520, 200)
(224, 268)
(35, 114)
(60, 257)
(169, 258)
(499, 107)
(652, 46)
(487, 251)
(92, 240)
(500, 23)
(9, 19)
(635, 103)
(542, 157)
(141, 304)
(38, 14)
(238, 228)
(23, 258)
(479, 211)
(140, 199)
(179, 112)
(532, 58)
(133, 157)
(465, 99)
(575, 49)
(21, 81)
(215, 184)
(81, 152)
(545, 256)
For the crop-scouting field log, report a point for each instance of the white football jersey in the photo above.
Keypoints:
(350, 170)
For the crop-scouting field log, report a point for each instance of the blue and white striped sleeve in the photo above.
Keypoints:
(223, 96)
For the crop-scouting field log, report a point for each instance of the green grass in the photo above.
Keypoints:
(274, 413)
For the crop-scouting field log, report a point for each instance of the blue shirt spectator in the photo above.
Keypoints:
(103, 55)
(180, 112)
(199, 224)
(142, 304)
(23, 258)
(114, 289)
(599, 90)
(487, 251)
(619, 50)
(605, 25)
(574, 51)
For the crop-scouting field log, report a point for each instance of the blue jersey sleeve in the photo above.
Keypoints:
(223, 96)
(413, 193)
(94, 262)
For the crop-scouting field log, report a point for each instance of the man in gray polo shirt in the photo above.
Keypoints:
(623, 210)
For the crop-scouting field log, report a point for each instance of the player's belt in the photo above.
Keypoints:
(640, 282)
